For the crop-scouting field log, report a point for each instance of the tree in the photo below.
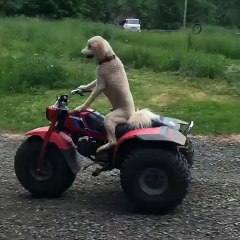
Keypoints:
(166, 14)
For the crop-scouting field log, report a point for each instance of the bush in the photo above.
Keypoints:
(193, 63)
(218, 41)
(30, 72)
(203, 65)
(39, 44)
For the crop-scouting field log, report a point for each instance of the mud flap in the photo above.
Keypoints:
(73, 159)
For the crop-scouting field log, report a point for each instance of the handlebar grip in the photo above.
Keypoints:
(75, 91)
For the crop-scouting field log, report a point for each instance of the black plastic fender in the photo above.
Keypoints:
(73, 159)
(164, 134)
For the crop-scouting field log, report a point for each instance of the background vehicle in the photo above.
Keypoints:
(154, 162)
(131, 24)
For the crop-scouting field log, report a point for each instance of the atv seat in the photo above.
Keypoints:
(125, 128)
(95, 121)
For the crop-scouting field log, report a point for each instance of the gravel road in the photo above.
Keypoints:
(96, 208)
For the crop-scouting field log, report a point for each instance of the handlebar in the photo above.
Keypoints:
(63, 100)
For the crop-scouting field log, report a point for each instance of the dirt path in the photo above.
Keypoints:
(96, 208)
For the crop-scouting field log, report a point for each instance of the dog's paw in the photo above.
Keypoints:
(105, 147)
(82, 87)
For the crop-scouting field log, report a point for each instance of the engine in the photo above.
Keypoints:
(88, 147)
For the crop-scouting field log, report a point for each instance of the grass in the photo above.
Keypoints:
(176, 74)
(38, 44)
(210, 106)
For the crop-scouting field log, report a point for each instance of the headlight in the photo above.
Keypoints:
(52, 114)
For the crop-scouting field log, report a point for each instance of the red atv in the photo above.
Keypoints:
(154, 162)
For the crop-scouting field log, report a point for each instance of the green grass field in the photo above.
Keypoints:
(193, 77)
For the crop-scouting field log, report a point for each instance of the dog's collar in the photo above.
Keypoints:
(107, 59)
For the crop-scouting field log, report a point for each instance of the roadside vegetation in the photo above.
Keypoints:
(183, 75)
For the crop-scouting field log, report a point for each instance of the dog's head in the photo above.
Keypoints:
(97, 47)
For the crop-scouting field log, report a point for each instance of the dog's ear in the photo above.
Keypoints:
(100, 49)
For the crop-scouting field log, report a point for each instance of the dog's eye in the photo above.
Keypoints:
(89, 46)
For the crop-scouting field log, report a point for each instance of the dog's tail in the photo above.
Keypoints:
(142, 118)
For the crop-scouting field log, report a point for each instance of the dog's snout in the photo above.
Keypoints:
(87, 53)
(83, 51)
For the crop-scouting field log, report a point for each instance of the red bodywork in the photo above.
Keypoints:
(87, 131)
(63, 139)
(133, 134)
(75, 123)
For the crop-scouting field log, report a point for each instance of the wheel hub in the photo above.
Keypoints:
(37, 174)
(153, 181)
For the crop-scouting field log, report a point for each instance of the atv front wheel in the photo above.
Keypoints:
(57, 176)
(155, 179)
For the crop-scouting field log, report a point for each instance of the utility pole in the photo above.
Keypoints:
(185, 14)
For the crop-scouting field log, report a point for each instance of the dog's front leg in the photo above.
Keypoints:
(87, 87)
(96, 91)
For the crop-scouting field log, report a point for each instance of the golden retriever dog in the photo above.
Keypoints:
(113, 82)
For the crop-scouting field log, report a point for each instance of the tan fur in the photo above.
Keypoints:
(113, 82)
(141, 118)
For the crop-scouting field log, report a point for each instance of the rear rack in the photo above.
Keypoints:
(188, 128)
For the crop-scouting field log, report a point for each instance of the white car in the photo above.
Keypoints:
(132, 24)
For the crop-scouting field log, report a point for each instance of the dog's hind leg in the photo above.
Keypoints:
(111, 120)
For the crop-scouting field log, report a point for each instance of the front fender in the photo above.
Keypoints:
(64, 143)
(73, 159)
(60, 139)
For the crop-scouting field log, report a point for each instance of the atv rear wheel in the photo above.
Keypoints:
(57, 176)
(155, 179)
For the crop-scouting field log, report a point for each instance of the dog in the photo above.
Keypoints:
(113, 82)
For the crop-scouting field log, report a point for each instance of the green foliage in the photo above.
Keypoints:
(203, 65)
(40, 59)
(29, 72)
(219, 41)
(48, 53)
(214, 106)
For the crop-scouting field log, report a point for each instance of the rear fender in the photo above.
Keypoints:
(163, 133)
(60, 139)
(158, 134)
